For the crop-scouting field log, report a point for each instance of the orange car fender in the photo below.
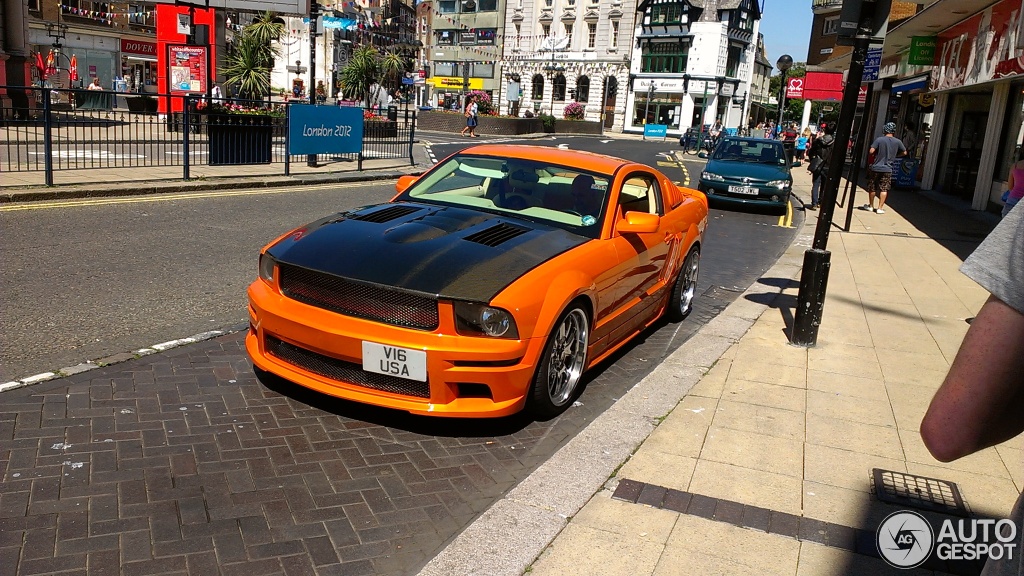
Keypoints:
(537, 316)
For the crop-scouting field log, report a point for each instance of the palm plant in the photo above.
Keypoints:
(362, 78)
(248, 64)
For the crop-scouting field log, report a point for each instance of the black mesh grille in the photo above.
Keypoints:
(344, 371)
(358, 299)
(496, 235)
(385, 215)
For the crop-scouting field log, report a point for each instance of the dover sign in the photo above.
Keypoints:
(324, 129)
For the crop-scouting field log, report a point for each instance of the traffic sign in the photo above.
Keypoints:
(872, 64)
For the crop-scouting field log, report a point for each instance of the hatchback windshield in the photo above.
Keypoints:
(756, 151)
(565, 197)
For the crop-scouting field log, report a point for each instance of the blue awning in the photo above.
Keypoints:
(910, 84)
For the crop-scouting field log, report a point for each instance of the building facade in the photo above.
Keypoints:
(463, 49)
(692, 63)
(564, 51)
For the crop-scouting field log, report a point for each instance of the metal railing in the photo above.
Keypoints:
(84, 129)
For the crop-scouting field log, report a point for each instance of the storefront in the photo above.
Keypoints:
(681, 103)
(978, 108)
(138, 65)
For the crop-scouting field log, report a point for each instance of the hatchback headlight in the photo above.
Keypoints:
(780, 184)
(482, 320)
(267, 265)
(711, 176)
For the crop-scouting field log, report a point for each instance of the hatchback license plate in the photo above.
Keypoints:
(394, 361)
(742, 190)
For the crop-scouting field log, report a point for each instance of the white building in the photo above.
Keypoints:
(569, 50)
(692, 62)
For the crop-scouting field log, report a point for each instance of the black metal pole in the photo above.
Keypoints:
(186, 115)
(782, 101)
(855, 164)
(47, 137)
(314, 12)
(814, 277)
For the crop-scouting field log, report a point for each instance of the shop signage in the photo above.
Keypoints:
(324, 129)
(795, 88)
(922, 51)
(982, 48)
(655, 130)
(186, 68)
(862, 95)
(138, 47)
(455, 83)
(672, 85)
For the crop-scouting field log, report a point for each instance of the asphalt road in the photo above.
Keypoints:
(237, 470)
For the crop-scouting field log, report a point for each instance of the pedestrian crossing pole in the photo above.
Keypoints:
(864, 22)
(314, 13)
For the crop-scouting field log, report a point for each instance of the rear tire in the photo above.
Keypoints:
(684, 292)
(561, 364)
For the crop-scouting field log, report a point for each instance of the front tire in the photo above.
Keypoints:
(561, 365)
(684, 292)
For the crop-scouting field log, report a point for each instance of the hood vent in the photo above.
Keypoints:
(386, 215)
(496, 235)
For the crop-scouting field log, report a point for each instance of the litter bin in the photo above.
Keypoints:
(393, 113)
(790, 147)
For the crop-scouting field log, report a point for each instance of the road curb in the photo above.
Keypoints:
(508, 537)
(162, 187)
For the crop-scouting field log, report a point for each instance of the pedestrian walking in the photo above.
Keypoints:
(885, 149)
(820, 155)
(801, 144)
(472, 109)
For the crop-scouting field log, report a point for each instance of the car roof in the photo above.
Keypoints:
(589, 161)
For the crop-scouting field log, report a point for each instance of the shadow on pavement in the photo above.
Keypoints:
(956, 227)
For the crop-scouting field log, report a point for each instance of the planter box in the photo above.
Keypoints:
(141, 104)
(563, 126)
(240, 139)
(455, 122)
(380, 130)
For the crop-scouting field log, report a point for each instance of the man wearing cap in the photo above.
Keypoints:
(885, 149)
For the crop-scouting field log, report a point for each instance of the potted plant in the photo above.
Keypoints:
(242, 132)
(575, 111)
(377, 126)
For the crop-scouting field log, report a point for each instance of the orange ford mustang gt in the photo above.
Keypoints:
(487, 285)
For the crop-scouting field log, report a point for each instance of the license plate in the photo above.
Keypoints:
(742, 190)
(395, 361)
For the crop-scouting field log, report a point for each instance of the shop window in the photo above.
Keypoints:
(486, 35)
(445, 69)
(483, 70)
(1013, 132)
(140, 15)
(591, 34)
(467, 38)
(558, 87)
(583, 89)
(538, 87)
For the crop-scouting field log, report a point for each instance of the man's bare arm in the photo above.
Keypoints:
(981, 401)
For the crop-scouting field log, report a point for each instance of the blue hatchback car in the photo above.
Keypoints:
(748, 171)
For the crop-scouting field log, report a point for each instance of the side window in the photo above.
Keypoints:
(641, 193)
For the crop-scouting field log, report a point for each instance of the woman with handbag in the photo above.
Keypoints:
(472, 109)
(820, 153)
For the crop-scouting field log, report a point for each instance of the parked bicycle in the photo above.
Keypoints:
(695, 141)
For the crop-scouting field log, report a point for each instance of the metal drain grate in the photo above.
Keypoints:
(906, 234)
(918, 492)
(720, 292)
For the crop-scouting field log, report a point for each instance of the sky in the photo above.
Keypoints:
(786, 25)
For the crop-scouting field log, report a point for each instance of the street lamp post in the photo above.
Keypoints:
(784, 63)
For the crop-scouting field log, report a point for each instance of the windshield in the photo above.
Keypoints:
(755, 151)
(561, 196)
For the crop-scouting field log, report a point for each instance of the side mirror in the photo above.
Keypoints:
(702, 155)
(404, 182)
(639, 223)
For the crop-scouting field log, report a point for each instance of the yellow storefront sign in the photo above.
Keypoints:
(455, 83)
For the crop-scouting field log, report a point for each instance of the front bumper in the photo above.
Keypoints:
(766, 196)
(466, 376)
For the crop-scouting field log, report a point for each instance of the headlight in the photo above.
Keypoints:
(711, 176)
(267, 265)
(780, 184)
(482, 320)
